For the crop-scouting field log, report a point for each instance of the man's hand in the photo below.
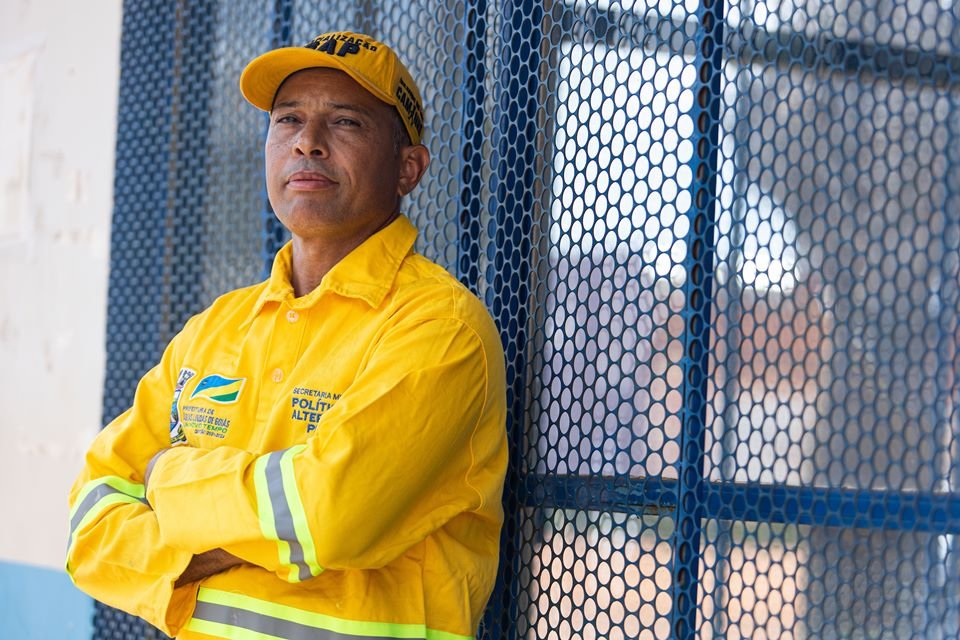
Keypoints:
(207, 564)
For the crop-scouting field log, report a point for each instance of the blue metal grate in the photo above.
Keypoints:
(721, 239)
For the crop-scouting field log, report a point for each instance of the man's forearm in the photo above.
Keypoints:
(207, 564)
(202, 565)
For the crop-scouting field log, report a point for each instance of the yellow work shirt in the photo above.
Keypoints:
(349, 445)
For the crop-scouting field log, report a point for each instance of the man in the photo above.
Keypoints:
(320, 455)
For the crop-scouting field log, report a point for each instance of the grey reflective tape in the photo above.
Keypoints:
(276, 627)
(90, 501)
(282, 518)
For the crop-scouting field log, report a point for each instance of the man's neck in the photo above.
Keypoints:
(313, 258)
(311, 261)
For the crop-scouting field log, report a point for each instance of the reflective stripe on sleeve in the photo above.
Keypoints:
(96, 496)
(222, 614)
(281, 514)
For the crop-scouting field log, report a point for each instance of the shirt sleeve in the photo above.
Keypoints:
(115, 552)
(417, 439)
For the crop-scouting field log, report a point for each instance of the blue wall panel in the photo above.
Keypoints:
(42, 604)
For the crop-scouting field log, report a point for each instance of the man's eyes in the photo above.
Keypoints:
(348, 122)
(339, 121)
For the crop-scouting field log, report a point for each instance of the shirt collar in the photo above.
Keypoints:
(366, 273)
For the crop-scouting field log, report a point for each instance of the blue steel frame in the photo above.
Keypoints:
(471, 176)
(754, 502)
(698, 265)
(511, 209)
(497, 618)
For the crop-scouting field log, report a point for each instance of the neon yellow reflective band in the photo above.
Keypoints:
(95, 497)
(233, 615)
(89, 507)
(221, 630)
(282, 516)
(264, 506)
(131, 489)
(265, 510)
(297, 511)
(102, 504)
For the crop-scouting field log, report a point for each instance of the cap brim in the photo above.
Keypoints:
(262, 77)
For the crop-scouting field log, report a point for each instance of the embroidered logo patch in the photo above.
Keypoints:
(176, 427)
(219, 389)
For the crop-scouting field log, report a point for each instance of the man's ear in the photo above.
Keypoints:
(414, 160)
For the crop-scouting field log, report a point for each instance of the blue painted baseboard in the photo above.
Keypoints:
(42, 604)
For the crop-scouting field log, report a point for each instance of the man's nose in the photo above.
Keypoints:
(312, 140)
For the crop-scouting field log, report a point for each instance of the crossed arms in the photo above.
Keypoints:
(400, 454)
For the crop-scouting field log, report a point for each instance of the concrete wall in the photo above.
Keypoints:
(59, 69)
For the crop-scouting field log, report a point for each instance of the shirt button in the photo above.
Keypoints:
(292, 316)
(277, 374)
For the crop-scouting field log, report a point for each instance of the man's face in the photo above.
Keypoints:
(332, 167)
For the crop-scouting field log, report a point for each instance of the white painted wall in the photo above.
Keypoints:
(59, 71)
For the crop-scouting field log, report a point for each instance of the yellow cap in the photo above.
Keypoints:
(372, 64)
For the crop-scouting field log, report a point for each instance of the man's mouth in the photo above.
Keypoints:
(308, 180)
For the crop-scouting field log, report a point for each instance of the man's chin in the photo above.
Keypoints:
(309, 221)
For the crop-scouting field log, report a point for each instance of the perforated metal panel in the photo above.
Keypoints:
(722, 243)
